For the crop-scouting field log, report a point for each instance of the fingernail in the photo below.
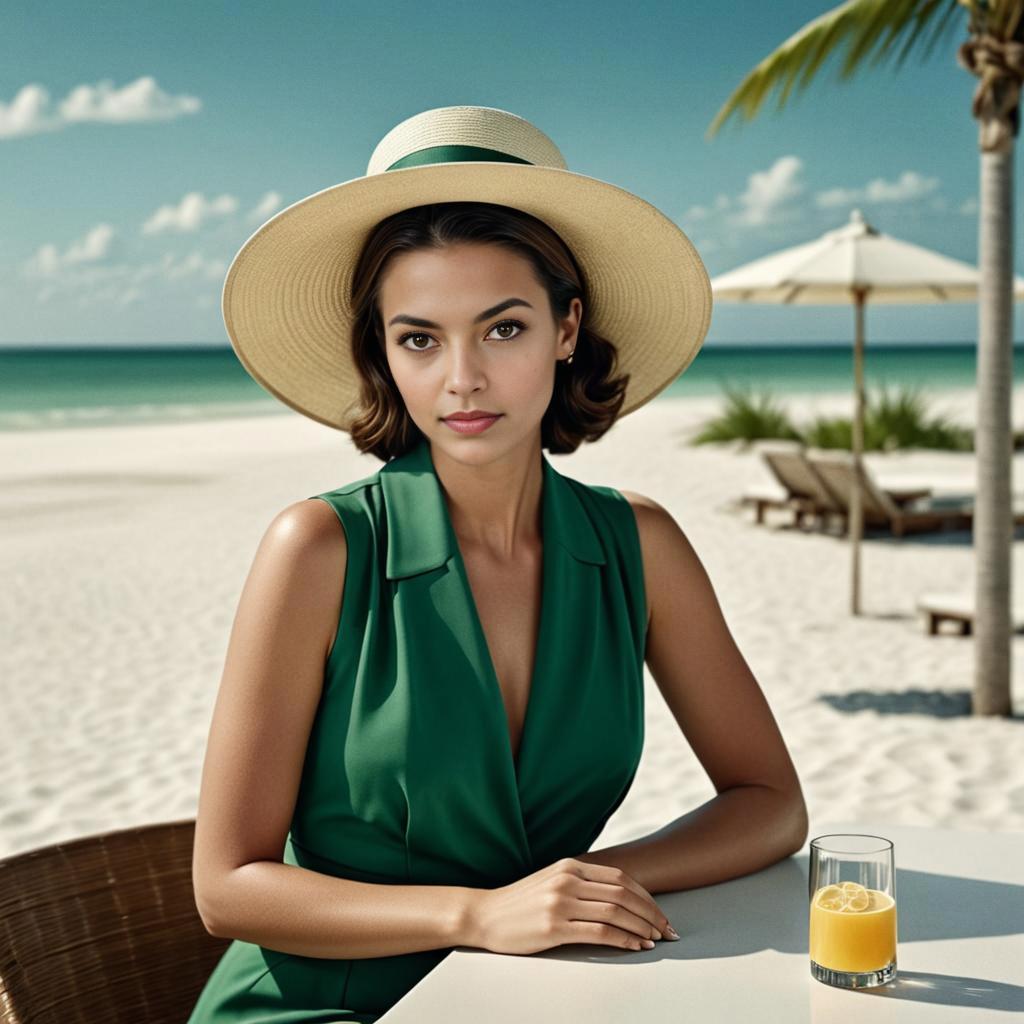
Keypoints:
(647, 943)
(672, 933)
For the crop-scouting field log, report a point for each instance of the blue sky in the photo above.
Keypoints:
(141, 144)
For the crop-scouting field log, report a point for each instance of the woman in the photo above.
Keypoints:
(432, 700)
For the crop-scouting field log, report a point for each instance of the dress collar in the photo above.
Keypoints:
(420, 534)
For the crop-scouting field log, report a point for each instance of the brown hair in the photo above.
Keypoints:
(587, 396)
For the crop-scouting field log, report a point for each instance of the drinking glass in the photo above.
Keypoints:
(852, 891)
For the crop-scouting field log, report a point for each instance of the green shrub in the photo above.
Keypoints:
(829, 432)
(747, 417)
(901, 420)
(892, 420)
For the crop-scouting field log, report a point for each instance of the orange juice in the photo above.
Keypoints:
(852, 928)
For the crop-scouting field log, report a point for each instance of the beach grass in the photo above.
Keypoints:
(894, 418)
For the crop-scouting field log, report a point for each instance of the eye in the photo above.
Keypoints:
(412, 334)
(517, 324)
(510, 323)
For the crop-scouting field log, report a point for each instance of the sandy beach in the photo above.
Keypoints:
(124, 550)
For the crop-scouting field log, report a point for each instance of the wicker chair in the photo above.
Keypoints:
(104, 928)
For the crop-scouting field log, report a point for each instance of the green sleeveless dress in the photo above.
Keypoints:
(409, 776)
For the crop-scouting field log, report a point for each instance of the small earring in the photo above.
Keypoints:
(571, 354)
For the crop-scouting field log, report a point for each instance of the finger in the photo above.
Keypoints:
(611, 912)
(603, 935)
(626, 896)
(609, 874)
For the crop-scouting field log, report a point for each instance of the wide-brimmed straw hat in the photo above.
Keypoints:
(286, 299)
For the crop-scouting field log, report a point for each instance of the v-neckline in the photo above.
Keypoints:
(515, 761)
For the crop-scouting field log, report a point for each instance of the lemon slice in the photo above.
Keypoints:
(881, 901)
(830, 897)
(857, 897)
(846, 897)
(856, 902)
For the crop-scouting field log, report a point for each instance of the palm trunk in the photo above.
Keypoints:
(993, 519)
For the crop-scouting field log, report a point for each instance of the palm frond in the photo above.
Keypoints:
(942, 29)
(869, 28)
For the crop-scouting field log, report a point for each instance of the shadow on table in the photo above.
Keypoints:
(769, 910)
(946, 990)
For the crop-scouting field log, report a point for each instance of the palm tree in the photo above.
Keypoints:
(994, 52)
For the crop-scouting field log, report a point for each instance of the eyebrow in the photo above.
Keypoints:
(416, 321)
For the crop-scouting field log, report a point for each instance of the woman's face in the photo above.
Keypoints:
(453, 345)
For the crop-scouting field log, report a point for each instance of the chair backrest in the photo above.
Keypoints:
(837, 469)
(799, 477)
(104, 928)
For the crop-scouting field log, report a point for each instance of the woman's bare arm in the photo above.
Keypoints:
(269, 691)
(759, 815)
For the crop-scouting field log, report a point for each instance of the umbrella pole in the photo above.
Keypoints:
(856, 496)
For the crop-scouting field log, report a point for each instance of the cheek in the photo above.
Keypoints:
(537, 375)
(409, 383)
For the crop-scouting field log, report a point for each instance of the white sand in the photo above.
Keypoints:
(124, 550)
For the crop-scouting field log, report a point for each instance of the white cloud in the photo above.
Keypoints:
(189, 214)
(26, 113)
(111, 294)
(141, 100)
(969, 207)
(81, 274)
(195, 264)
(45, 262)
(269, 204)
(92, 247)
(767, 199)
(698, 212)
(908, 187)
(769, 192)
(29, 112)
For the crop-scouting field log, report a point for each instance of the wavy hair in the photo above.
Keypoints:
(587, 396)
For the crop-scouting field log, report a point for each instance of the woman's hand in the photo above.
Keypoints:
(567, 901)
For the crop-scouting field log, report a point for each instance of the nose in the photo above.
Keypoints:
(464, 370)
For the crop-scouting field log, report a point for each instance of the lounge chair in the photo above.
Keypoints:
(797, 487)
(959, 608)
(917, 515)
(104, 928)
(802, 488)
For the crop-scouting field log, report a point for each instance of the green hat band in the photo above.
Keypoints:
(452, 154)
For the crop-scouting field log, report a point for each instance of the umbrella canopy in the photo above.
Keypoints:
(856, 255)
(853, 264)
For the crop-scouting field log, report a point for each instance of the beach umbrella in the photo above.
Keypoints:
(854, 264)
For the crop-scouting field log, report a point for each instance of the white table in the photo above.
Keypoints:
(743, 953)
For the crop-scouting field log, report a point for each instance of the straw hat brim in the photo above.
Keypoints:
(286, 294)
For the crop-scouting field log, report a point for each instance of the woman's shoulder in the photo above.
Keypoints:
(623, 505)
(351, 492)
(649, 513)
(353, 504)
(319, 530)
(656, 530)
(655, 524)
(306, 536)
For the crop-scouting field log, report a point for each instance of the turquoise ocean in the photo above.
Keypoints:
(55, 387)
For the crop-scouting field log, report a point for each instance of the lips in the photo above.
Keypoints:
(475, 424)
(463, 417)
